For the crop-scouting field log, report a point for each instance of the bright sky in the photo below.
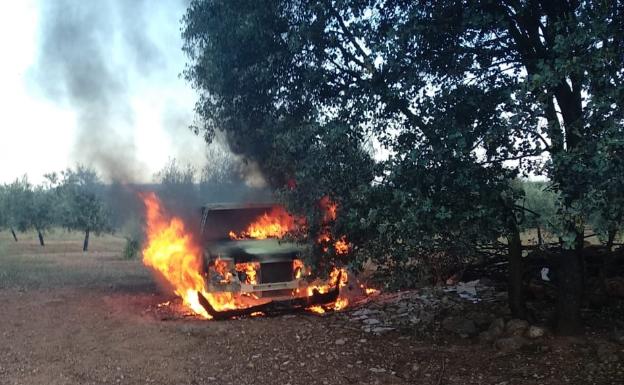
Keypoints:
(38, 131)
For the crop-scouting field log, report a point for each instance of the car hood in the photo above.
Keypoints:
(263, 250)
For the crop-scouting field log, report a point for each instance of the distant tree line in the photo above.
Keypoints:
(78, 200)
(72, 199)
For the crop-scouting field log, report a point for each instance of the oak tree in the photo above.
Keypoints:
(463, 97)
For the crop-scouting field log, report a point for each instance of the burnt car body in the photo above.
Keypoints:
(274, 274)
(277, 283)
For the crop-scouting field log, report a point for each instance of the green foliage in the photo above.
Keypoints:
(134, 234)
(132, 248)
(44, 212)
(463, 97)
(326, 162)
(541, 202)
(18, 204)
(256, 86)
(24, 207)
(3, 209)
(81, 204)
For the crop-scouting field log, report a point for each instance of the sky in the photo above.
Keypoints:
(96, 83)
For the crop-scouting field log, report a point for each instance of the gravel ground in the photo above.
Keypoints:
(94, 319)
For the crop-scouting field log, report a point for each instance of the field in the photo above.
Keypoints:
(68, 317)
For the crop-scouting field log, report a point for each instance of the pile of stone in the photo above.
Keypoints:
(450, 310)
(511, 335)
(421, 310)
(408, 309)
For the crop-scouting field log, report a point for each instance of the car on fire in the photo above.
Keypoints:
(247, 254)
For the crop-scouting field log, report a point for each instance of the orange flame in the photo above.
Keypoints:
(299, 269)
(251, 271)
(324, 287)
(316, 309)
(172, 252)
(330, 209)
(221, 267)
(330, 212)
(342, 246)
(274, 224)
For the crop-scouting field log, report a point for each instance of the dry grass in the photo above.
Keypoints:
(58, 241)
(529, 237)
(61, 263)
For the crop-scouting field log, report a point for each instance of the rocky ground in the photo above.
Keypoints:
(71, 318)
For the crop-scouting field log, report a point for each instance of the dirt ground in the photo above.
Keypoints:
(68, 317)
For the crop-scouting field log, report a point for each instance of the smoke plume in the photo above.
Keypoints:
(89, 52)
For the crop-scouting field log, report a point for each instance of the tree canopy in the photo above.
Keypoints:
(462, 97)
(82, 206)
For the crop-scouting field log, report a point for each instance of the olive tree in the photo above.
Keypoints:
(3, 214)
(17, 205)
(82, 206)
(44, 210)
(177, 186)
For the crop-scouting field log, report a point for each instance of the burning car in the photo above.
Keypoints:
(247, 255)
(241, 263)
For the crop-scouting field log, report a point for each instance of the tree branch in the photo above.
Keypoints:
(512, 158)
(401, 104)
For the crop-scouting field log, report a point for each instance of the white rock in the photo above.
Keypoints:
(362, 312)
(535, 332)
(516, 327)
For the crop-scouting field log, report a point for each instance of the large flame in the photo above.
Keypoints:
(274, 224)
(173, 252)
(278, 222)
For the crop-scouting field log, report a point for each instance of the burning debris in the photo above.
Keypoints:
(237, 266)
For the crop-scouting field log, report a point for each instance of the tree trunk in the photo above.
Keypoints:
(515, 289)
(611, 239)
(570, 296)
(607, 262)
(569, 99)
(540, 240)
(85, 245)
(14, 235)
(40, 237)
